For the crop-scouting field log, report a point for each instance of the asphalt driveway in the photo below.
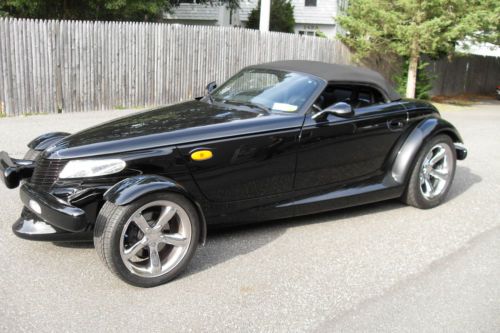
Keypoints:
(380, 267)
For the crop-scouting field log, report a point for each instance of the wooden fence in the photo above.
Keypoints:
(466, 74)
(67, 66)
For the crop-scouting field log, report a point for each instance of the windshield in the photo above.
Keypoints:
(269, 89)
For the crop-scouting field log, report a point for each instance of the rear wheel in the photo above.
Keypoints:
(150, 241)
(432, 174)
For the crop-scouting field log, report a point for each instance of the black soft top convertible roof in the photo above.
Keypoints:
(334, 73)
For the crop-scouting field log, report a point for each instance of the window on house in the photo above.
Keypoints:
(306, 33)
(310, 3)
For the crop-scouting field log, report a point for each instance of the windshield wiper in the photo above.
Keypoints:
(209, 98)
(251, 104)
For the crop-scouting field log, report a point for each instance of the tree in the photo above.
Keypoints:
(281, 17)
(412, 28)
(107, 10)
(110, 10)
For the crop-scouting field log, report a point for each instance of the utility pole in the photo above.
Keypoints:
(265, 13)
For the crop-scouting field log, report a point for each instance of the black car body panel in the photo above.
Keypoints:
(265, 165)
(193, 121)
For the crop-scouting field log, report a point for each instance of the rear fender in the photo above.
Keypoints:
(133, 188)
(419, 136)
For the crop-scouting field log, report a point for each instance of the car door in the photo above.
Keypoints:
(250, 166)
(340, 150)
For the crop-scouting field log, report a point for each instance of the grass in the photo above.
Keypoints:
(121, 107)
(35, 114)
(27, 114)
(462, 99)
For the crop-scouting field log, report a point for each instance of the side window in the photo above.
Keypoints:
(368, 96)
(334, 94)
(356, 96)
(342, 95)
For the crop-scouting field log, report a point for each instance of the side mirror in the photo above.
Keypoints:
(339, 109)
(211, 87)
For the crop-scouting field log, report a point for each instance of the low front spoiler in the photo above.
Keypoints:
(54, 210)
(31, 227)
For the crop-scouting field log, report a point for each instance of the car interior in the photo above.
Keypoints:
(356, 96)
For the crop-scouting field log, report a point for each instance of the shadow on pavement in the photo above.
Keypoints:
(75, 245)
(226, 243)
(464, 179)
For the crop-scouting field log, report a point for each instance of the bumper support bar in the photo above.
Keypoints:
(14, 170)
(461, 151)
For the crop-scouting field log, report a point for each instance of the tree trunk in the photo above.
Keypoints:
(411, 84)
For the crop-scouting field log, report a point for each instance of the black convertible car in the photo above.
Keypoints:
(276, 140)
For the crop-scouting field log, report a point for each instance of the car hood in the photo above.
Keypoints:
(165, 126)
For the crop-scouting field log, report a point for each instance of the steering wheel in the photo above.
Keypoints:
(361, 103)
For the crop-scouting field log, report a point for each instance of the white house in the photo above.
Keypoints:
(311, 16)
(193, 13)
(484, 49)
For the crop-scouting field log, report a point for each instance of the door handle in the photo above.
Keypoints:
(396, 124)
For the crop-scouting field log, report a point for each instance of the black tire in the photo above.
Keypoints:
(108, 232)
(413, 194)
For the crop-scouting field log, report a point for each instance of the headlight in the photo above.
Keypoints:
(92, 168)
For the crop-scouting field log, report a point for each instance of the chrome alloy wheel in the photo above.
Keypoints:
(155, 238)
(435, 171)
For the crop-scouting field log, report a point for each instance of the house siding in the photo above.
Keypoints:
(195, 12)
(323, 13)
(307, 18)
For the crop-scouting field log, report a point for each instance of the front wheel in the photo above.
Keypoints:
(432, 174)
(150, 241)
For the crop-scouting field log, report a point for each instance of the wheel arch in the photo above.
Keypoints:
(133, 188)
(420, 135)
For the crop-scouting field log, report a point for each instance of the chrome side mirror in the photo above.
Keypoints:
(211, 87)
(339, 109)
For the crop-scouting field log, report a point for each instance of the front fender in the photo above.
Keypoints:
(423, 132)
(133, 188)
(43, 141)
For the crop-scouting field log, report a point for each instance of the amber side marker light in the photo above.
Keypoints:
(201, 155)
